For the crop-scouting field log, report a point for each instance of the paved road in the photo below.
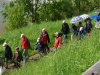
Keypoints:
(94, 70)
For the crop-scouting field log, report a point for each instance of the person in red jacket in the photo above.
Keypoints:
(25, 45)
(58, 41)
(44, 37)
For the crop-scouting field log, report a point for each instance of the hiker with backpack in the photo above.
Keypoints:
(88, 27)
(74, 30)
(81, 31)
(65, 30)
(25, 45)
(17, 57)
(44, 37)
(58, 40)
(39, 46)
(7, 54)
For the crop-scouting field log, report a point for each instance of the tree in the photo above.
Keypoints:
(19, 12)
(14, 16)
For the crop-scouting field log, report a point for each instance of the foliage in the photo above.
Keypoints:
(14, 17)
(44, 10)
(51, 11)
(30, 8)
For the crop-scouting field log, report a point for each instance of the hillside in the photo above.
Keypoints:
(32, 32)
(72, 59)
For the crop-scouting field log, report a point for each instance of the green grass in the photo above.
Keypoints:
(32, 32)
(73, 58)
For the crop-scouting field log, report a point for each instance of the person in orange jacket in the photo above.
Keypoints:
(25, 46)
(58, 41)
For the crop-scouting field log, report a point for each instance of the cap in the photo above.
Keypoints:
(21, 35)
(56, 33)
(4, 44)
(43, 29)
(17, 48)
(63, 21)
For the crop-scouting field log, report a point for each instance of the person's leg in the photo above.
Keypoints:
(6, 62)
(44, 50)
(84, 32)
(89, 32)
(47, 47)
(65, 38)
(14, 63)
(81, 35)
(17, 64)
(25, 54)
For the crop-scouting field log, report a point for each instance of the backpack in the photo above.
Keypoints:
(28, 43)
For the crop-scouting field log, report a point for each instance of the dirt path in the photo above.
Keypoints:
(12, 67)
(33, 57)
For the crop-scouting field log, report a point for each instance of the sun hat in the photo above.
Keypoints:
(21, 35)
(43, 29)
(56, 33)
(4, 44)
(17, 48)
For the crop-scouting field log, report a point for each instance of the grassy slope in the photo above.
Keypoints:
(32, 32)
(72, 59)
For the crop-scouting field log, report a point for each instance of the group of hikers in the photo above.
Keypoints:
(42, 42)
(80, 31)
